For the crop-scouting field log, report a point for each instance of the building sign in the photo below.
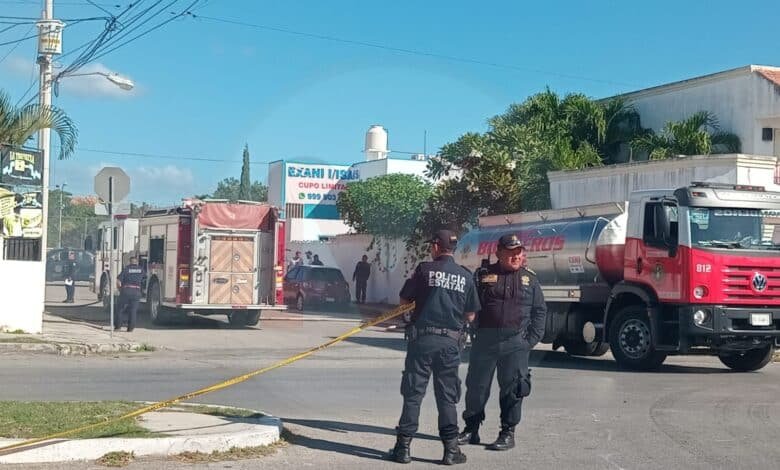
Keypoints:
(316, 184)
(21, 201)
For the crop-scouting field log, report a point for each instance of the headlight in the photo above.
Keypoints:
(700, 317)
(700, 292)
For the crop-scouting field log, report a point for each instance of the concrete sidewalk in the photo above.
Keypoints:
(183, 432)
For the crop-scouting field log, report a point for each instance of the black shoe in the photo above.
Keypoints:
(470, 435)
(505, 441)
(130, 330)
(401, 452)
(452, 453)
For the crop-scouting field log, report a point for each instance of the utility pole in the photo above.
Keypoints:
(49, 45)
(62, 190)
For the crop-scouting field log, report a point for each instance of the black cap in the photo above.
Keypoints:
(446, 239)
(510, 242)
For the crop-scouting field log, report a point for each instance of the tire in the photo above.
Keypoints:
(156, 309)
(105, 294)
(253, 318)
(299, 303)
(748, 361)
(631, 341)
(581, 348)
(237, 318)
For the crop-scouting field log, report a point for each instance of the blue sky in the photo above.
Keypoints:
(206, 88)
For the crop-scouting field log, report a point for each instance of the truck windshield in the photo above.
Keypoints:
(735, 228)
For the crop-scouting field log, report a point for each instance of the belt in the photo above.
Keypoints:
(130, 286)
(431, 330)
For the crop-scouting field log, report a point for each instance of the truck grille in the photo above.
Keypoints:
(738, 280)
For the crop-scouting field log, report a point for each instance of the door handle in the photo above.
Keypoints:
(639, 265)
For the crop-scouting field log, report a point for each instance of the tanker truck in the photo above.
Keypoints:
(693, 270)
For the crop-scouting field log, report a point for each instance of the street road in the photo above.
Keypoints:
(343, 403)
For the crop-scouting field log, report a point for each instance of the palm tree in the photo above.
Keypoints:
(18, 125)
(699, 134)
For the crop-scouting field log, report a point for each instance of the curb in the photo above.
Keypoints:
(70, 349)
(268, 432)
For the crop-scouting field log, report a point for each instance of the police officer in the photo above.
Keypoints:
(69, 269)
(510, 323)
(129, 282)
(445, 298)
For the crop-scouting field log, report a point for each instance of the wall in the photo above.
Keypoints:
(743, 101)
(276, 184)
(388, 271)
(614, 183)
(22, 293)
(312, 229)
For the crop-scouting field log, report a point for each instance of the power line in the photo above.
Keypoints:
(15, 46)
(167, 157)
(406, 51)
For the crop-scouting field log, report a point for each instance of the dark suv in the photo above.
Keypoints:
(315, 286)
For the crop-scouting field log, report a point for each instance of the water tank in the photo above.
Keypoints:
(376, 143)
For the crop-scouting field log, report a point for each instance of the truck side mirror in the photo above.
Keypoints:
(663, 230)
(88, 243)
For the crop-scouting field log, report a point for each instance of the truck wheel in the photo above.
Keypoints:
(105, 294)
(631, 341)
(237, 318)
(253, 318)
(748, 361)
(156, 313)
(299, 303)
(581, 348)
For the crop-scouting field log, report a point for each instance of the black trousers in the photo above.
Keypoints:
(493, 351)
(428, 355)
(70, 290)
(127, 308)
(360, 290)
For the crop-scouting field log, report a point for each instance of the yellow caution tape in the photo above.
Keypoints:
(213, 388)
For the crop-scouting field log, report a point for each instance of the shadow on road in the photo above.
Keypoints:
(561, 360)
(342, 447)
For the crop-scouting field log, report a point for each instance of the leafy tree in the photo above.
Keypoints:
(18, 125)
(699, 134)
(78, 219)
(386, 206)
(245, 187)
(230, 189)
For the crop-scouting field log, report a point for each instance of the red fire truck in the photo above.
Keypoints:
(211, 257)
(694, 270)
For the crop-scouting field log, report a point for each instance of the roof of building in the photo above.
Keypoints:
(765, 71)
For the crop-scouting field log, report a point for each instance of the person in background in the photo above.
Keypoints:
(69, 272)
(316, 261)
(360, 277)
(129, 284)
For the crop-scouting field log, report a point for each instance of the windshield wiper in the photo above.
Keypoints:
(721, 244)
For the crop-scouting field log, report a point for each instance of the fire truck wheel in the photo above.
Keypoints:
(156, 313)
(631, 341)
(237, 318)
(748, 361)
(253, 318)
(299, 303)
(581, 348)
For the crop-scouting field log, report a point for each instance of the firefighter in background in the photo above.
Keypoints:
(69, 272)
(129, 283)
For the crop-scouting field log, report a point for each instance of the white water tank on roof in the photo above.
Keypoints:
(376, 143)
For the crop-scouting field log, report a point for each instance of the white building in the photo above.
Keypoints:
(307, 193)
(745, 100)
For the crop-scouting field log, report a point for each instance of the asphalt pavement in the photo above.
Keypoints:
(342, 404)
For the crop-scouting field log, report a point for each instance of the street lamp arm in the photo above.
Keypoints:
(118, 80)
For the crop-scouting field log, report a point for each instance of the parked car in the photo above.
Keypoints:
(55, 259)
(316, 286)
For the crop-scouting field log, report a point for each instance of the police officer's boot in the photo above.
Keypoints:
(505, 441)
(401, 452)
(470, 434)
(452, 453)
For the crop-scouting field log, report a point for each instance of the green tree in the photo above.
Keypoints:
(230, 189)
(18, 125)
(78, 220)
(386, 206)
(699, 134)
(245, 187)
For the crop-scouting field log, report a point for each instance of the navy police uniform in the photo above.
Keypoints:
(443, 292)
(511, 322)
(69, 273)
(130, 280)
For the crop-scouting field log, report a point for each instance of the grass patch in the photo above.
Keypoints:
(215, 411)
(116, 459)
(235, 453)
(25, 420)
(22, 339)
(17, 331)
(146, 348)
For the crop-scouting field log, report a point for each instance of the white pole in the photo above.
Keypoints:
(59, 240)
(44, 135)
(113, 264)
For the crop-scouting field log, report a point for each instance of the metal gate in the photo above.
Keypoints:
(231, 270)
